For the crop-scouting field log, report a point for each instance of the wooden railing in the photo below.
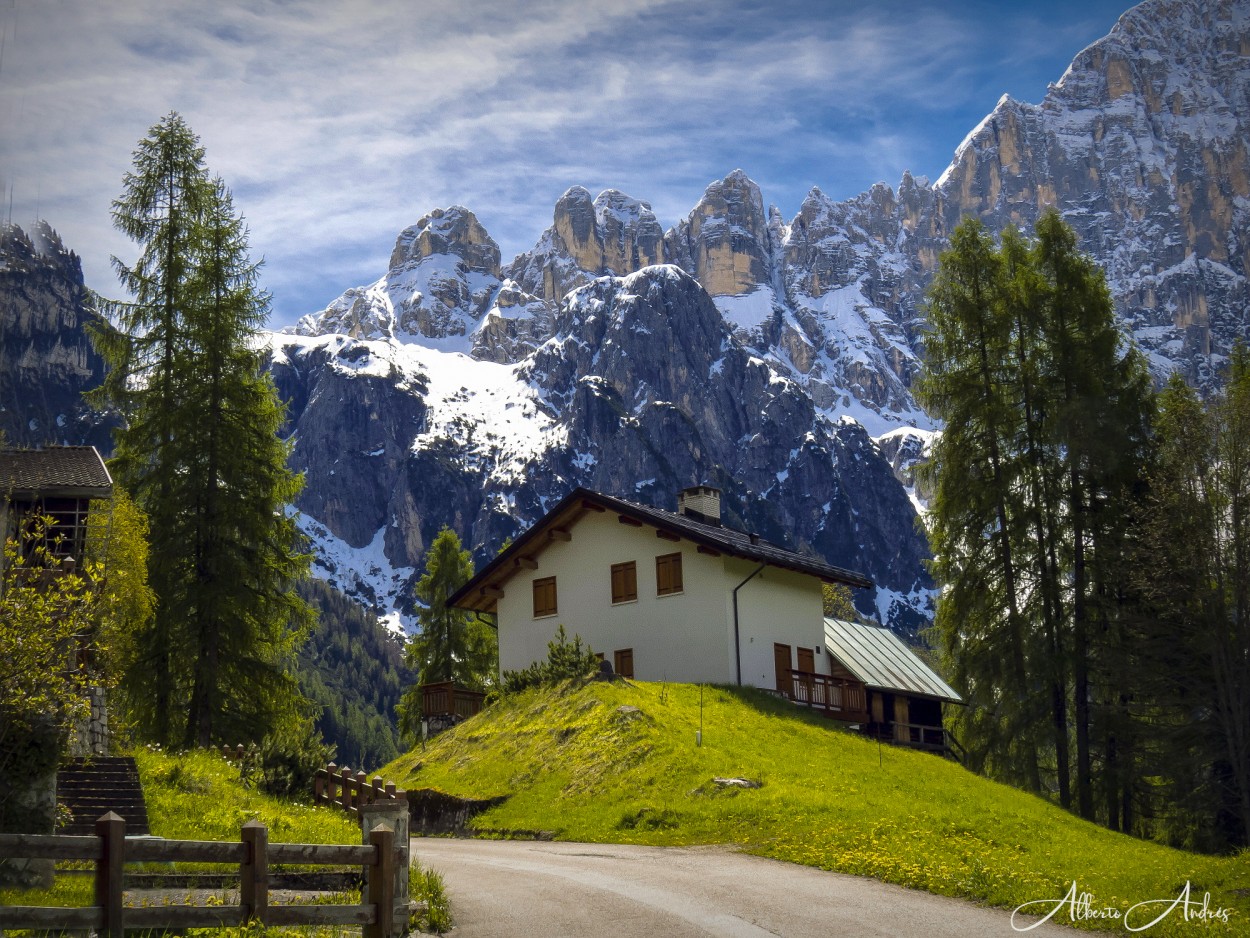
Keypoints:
(446, 699)
(111, 850)
(336, 786)
(837, 696)
(919, 736)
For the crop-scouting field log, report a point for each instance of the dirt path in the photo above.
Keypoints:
(519, 889)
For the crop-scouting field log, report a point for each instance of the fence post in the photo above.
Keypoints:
(393, 815)
(377, 793)
(254, 873)
(347, 789)
(111, 830)
(380, 888)
(362, 789)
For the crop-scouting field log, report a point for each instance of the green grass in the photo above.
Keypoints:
(617, 763)
(199, 796)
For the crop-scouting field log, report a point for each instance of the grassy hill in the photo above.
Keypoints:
(617, 762)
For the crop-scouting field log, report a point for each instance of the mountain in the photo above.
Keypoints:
(46, 360)
(773, 358)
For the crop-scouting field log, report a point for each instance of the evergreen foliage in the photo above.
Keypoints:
(1047, 423)
(1192, 634)
(200, 455)
(452, 644)
(565, 661)
(352, 669)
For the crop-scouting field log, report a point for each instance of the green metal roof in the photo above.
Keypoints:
(878, 658)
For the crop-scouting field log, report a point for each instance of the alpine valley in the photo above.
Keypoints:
(772, 358)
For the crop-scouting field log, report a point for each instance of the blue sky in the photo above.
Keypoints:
(337, 124)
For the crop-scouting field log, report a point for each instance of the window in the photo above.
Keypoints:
(668, 574)
(545, 597)
(623, 662)
(624, 582)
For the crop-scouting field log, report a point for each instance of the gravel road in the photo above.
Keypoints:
(523, 889)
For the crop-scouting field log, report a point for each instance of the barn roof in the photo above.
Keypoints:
(879, 659)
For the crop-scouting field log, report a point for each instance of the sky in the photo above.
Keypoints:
(338, 123)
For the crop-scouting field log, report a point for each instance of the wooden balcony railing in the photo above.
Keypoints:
(446, 699)
(917, 736)
(840, 698)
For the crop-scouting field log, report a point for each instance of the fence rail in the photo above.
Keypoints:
(349, 791)
(111, 850)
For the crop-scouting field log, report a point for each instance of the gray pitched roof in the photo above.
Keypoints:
(474, 594)
(69, 471)
(878, 658)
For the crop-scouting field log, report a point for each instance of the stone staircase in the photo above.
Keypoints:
(91, 787)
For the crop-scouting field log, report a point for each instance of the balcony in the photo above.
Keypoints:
(839, 698)
(445, 699)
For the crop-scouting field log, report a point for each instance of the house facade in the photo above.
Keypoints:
(662, 595)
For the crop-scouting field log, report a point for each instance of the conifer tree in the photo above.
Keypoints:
(1046, 426)
(200, 452)
(452, 645)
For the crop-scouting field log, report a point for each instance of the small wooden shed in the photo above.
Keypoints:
(57, 481)
(902, 695)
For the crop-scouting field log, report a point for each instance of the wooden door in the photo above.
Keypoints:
(902, 732)
(781, 662)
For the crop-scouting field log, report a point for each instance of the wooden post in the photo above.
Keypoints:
(239, 750)
(254, 873)
(378, 791)
(319, 786)
(331, 771)
(347, 789)
(362, 789)
(380, 889)
(111, 830)
(390, 791)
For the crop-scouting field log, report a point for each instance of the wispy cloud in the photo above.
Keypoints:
(339, 123)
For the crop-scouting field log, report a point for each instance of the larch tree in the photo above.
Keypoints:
(200, 453)
(1046, 420)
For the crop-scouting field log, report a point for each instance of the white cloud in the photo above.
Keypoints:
(338, 123)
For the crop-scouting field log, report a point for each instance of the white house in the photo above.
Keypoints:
(678, 596)
(662, 594)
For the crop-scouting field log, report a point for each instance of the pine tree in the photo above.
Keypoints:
(451, 645)
(200, 452)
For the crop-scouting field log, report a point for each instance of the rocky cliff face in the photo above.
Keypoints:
(640, 390)
(773, 358)
(46, 360)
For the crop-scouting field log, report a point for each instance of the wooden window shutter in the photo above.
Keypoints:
(545, 597)
(807, 660)
(623, 662)
(624, 582)
(668, 574)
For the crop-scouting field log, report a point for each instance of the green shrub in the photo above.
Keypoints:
(565, 660)
(286, 760)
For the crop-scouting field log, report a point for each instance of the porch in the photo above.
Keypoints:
(444, 699)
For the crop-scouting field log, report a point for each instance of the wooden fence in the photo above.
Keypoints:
(336, 786)
(445, 699)
(111, 850)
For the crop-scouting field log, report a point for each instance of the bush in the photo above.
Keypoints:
(286, 761)
(565, 660)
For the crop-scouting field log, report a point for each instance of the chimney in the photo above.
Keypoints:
(701, 502)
